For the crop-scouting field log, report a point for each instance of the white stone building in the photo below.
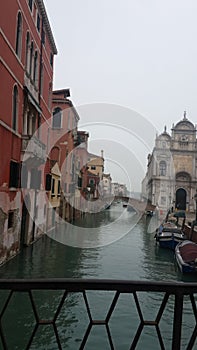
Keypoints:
(171, 177)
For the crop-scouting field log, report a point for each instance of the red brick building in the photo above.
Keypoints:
(27, 49)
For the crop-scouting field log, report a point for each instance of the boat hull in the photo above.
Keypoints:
(169, 242)
(169, 237)
(186, 255)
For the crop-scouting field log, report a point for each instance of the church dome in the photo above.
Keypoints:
(164, 135)
(184, 124)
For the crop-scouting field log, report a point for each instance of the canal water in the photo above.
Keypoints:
(113, 244)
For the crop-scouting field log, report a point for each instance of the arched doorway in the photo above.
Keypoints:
(25, 222)
(181, 199)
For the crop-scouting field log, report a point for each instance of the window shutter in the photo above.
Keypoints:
(48, 182)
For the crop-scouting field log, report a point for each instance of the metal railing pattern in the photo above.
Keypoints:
(178, 290)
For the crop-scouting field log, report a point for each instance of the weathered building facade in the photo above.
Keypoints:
(63, 140)
(171, 178)
(27, 50)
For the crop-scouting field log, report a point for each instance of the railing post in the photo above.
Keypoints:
(177, 322)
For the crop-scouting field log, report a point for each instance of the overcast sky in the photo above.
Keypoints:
(140, 55)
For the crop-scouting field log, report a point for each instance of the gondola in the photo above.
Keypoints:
(168, 236)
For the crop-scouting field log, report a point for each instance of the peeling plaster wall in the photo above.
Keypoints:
(9, 238)
(40, 220)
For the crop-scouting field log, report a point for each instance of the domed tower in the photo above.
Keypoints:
(183, 149)
(160, 171)
(171, 177)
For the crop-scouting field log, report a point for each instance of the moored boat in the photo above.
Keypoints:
(168, 236)
(186, 256)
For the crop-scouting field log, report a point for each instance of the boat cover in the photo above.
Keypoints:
(188, 252)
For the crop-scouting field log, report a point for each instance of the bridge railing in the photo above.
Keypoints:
(177, 292)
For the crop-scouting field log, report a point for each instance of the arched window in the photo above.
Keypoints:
(19, 35)
(41, 77)
(15, 107)
(57, 118)
(27, 53)
(31, 58)
(162, 168)
(35, 66)
(30, 4)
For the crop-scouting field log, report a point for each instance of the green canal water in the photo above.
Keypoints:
(113, 245)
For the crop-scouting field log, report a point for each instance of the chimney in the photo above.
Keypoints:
(102, 153)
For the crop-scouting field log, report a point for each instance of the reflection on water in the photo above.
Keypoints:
(96, 230)
(120, 249)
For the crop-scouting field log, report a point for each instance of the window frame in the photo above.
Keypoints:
(19, 30)
(15, 108)
(53, 187)
(11, 219)
(57, 113)
(14, 174)
(162, 168)
(30, 4)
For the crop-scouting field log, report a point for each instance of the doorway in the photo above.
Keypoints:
(181, 199)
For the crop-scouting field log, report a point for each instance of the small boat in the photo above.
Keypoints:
(168, 235)
(186, 256)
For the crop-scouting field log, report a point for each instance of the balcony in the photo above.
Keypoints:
(33, 150)
(170, 296)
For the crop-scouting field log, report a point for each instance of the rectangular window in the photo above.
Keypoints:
(59, 189)
(48, 182)
(10, 219)
(43, 37)
(53, 188)
(30, 2)
(38, 22)
(57, 118)
(93, 167)
(14, 174)
(41, 78)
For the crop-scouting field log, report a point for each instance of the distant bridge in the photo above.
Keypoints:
(136, 204)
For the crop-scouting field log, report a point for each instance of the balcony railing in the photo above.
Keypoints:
(177, 292)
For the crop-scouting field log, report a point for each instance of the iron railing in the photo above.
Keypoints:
(176, 291)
